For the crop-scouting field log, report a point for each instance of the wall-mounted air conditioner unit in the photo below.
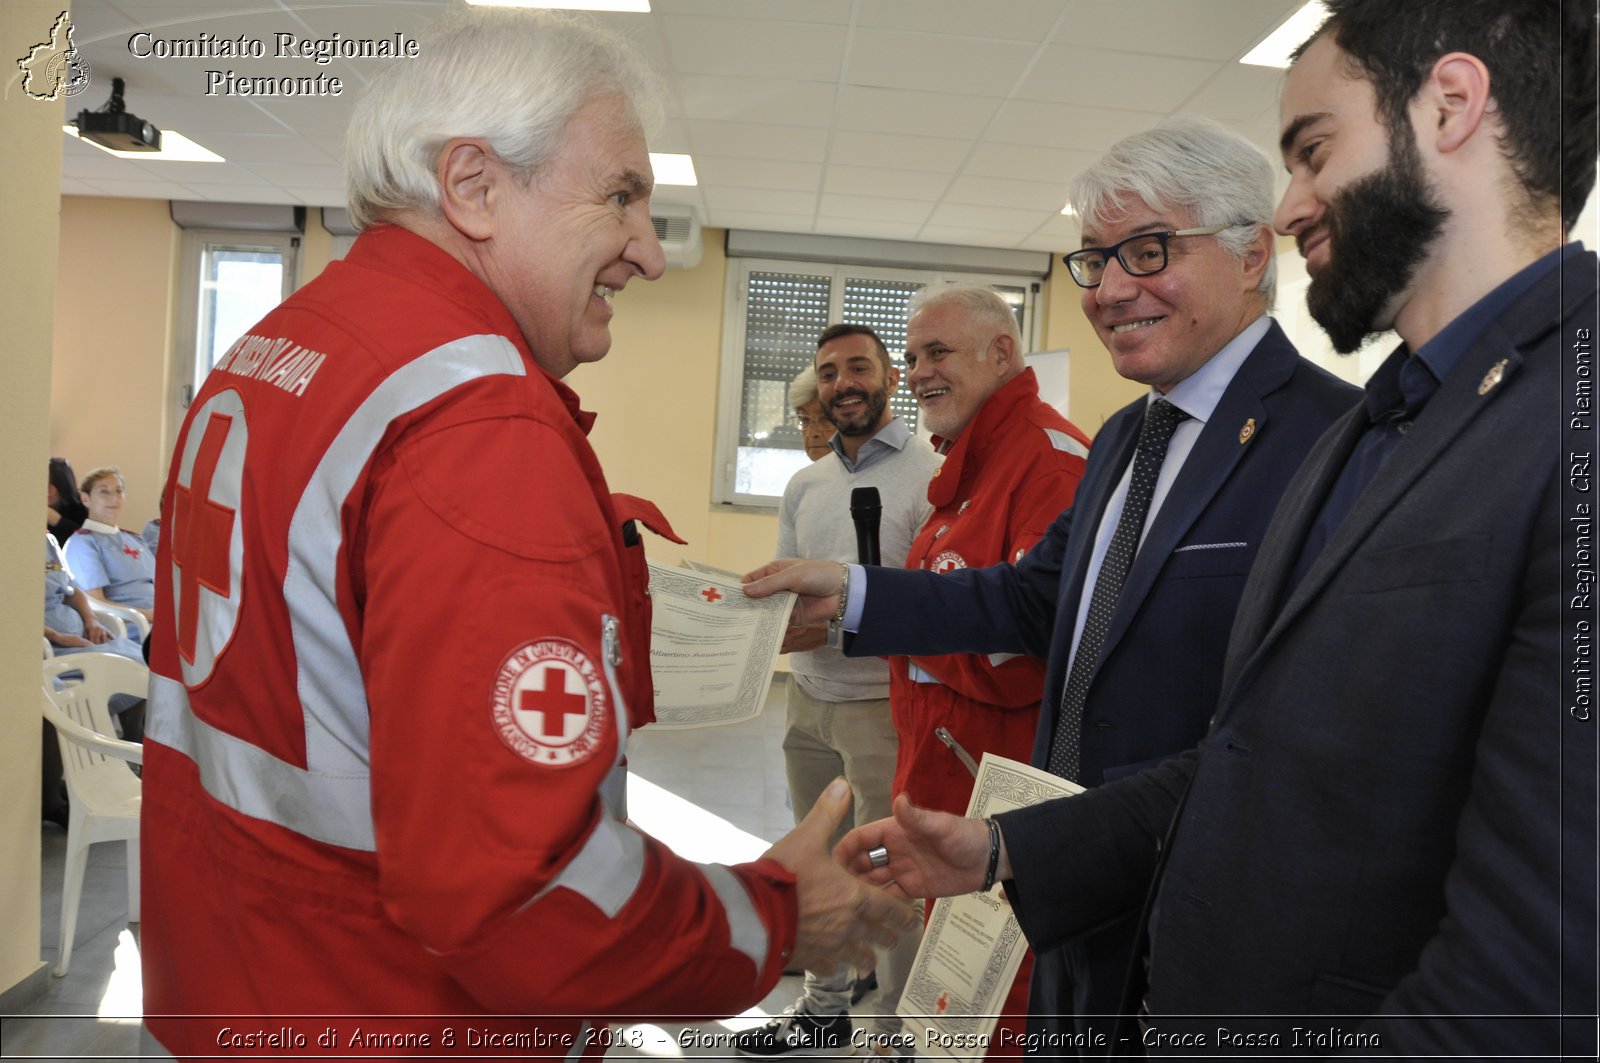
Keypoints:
(678, 229)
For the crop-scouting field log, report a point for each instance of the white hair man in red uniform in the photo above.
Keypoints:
(383, 774)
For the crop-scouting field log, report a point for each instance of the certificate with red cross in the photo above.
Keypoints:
(712, 649)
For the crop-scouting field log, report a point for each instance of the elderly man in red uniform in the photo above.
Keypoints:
(1012, 464)
(383, 772)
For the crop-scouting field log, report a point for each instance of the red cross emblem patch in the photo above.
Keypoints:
(549, 703)
(948, 561)
(207, 537)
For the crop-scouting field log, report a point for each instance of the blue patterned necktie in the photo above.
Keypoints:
(1159, 422)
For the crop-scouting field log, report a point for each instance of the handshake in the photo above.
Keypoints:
(855, 900)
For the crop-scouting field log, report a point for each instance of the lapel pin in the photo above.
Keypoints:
(1492, 378)
(964, 506)
(1248, 432)
(942, 529)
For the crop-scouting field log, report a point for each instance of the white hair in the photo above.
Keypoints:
(980, 302)
(1189, 162)
(803, 388)
(512, 77)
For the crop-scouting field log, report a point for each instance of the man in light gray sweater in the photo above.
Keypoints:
(839, 722)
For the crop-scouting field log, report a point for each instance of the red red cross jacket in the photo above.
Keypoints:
(1004, 480)
(401, 638)
(1009, 474)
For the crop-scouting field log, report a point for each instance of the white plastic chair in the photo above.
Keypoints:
(104, 795)
(125, 615)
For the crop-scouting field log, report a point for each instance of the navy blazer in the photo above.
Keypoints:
(1160, 667)
(1394, 813)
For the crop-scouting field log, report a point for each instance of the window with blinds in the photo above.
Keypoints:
(776, 310)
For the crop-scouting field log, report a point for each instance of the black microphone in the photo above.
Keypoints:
(866, 509)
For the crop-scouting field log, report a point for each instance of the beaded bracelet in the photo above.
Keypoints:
(994, 855)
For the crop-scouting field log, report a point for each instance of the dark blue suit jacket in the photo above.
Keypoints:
(1160, 666)
(1394, 813)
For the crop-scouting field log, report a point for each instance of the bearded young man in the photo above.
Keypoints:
(1386, 843)
(838, 708)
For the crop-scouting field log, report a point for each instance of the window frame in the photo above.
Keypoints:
(731, 373)
(197, 244)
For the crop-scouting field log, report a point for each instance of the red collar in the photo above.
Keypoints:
(399, 252)
(980, 434)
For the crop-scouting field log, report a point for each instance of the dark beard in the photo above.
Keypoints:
(1380, 229)
(871, 412)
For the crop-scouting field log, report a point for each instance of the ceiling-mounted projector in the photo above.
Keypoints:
(114, 127)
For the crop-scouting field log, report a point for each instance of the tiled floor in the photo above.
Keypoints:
(713, 794)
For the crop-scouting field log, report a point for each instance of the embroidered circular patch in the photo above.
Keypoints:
(949, 561)
(550, 704)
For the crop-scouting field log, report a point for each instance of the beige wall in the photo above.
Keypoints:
(112, 350)
(31, 132)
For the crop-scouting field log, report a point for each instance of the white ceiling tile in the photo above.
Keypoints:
(317, 197)
(86, 161)
(877, 181)
(214, 173)
(307, 115)
(753, 48)
(828, 11)
(1060, 125)
(1000, 219)
(749, 140)
(1049, 243)
(748, 99)
(762, 199)
(873, 208)
(928, 114)
(964, 236)
(289, 174)
(1239, 93)
(1122, 80)
(880, 230)
(267, 147)
(1015, 20)
(239, 193)
(901, 59)
(759, 173)
(145, 189)
(1028, 163)
(1215, 29)
(754, 219)
(1001, 191)
(936, 154)
(1065, 226)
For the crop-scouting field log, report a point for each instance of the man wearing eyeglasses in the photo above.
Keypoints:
(1131, 594)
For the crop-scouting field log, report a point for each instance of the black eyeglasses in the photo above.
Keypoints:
(1140, 255)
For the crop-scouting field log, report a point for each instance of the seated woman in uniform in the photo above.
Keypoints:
(111, 564)
(70, 627)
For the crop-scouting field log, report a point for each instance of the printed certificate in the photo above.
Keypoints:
(712, 649)
(973, 946)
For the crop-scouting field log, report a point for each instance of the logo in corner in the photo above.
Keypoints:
(549, 704)
(54, 68)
